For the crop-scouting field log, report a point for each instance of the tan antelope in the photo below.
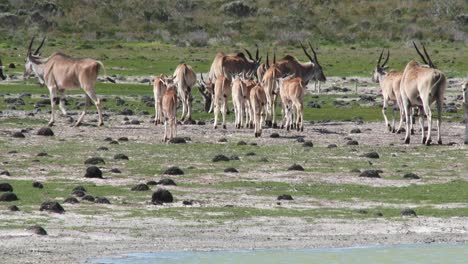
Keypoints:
(222, 89)
(60, 72)
(389, 82)
(239, 88)
(258, 102)
(307, 71)
(184, 79)
(249, 84)
(159, 88)
(271, 88)
(169, 107)
(262, 68)
(207, 91)
(465, 106)
(421, 85)
(1, 70)
(292, 91)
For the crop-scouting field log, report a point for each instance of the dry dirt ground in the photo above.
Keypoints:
(76, 236)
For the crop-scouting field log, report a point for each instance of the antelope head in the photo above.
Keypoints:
(32, 61)
(207, 91)
(1, 71)
(380, 70)
(426, 60)
(256, 61)
(317, 70)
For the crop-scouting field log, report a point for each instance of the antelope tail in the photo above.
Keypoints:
(104, 69)
(435, 89)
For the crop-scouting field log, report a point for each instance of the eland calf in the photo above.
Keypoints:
(159, 88)
(169, 107)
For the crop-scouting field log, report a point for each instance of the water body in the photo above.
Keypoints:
(401, 254)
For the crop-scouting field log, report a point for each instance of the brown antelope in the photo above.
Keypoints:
(258, 102)
(292, 91)
(59, 72)
(169, 107)
(232, 64)
(270, 86)
(307, 71)
(421, 85)
(159, 88)
(207, 91)
(262, 68)
(390, 84)
(465, 106)
(239, 88)
(184, 79)
(222, 89)
(1, 70)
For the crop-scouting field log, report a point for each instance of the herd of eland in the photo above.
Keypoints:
(254, 88)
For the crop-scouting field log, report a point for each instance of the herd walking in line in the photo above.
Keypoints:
(254, 88)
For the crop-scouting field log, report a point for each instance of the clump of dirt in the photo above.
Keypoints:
(162, 196)
(140, 187)
(174, 170)
(45, 131)
(220, 157)
(93, 172)
(52, 206)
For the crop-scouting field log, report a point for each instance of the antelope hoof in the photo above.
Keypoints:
(393, 130)
(224, 126)
(412, 131)
(256, 135)
(215, 127)
(275, 125)
(389, 128)
(407, 141)
(423, 140)
(439, 142)
(101, 124)
(51, 124)
(287, 128)
(428, 142)
(302, 129)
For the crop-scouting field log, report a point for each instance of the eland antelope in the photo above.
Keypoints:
(389, 82)
(232, 64)
(184, 79)
(60, 72)
(222, 89)
(421, 85)
(159, 88)
(292, 91)
(271, 88)
(258, 102)
(307, 71)
(207, 91)
(169, 107)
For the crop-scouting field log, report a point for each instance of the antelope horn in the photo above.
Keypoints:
(386, 60)
(274, 57)
(307, 54)
(267, 63)
(40, 46)
(417, 50)
(380, 58)
(248, 53)
(30, 46)
(313, 51)
(431, 64)
(201, 77)
(256, 53)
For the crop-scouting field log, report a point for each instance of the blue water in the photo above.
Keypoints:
(402, 254)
